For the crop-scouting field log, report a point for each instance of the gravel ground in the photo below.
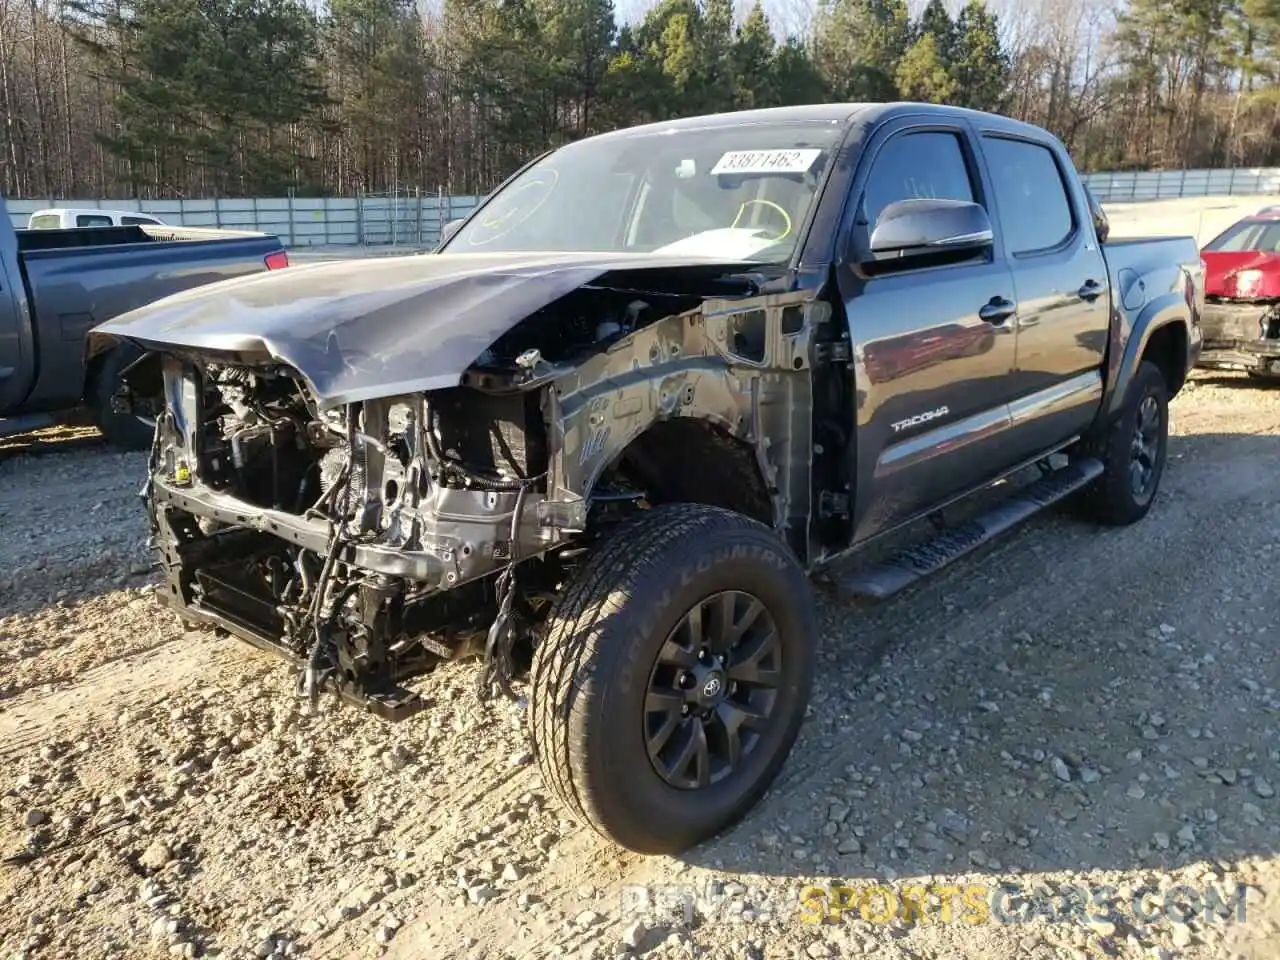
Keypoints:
(1068, 710)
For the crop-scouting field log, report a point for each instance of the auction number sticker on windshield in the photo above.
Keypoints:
(766, 161)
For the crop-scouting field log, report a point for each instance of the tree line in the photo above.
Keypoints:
(206, 98)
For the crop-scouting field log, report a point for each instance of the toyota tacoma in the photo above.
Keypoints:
(610, 433)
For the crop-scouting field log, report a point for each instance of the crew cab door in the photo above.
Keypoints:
(1063, 290)
(934, 345)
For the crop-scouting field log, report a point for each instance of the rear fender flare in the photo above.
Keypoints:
(1131, 334)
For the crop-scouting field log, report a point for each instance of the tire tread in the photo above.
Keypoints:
(1109, 500)
(561, 663)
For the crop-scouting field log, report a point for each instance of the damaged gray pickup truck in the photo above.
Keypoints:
(604, 436)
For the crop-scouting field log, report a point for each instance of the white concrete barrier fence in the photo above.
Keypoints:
(388, 222)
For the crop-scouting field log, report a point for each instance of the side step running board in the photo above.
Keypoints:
(921, 560)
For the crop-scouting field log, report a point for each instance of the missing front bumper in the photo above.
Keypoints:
(388, 700)
(210, 582)
(1242, 336)
(308, 533)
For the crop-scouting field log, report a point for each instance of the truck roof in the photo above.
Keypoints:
(833, 112)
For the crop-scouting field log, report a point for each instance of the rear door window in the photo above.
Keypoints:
(92, 220)
(136, 221)
(1034, 209)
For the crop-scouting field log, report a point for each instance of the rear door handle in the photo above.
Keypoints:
(997, 310)
(1091, 290)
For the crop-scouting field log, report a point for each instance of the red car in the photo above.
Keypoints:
(1242, 294)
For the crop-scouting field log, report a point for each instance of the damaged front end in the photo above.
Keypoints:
(355, 541)
(1242, 335)
(369, 538)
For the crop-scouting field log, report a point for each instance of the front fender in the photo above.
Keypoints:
(686, 366)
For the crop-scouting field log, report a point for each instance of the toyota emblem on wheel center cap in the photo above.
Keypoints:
(712, 687)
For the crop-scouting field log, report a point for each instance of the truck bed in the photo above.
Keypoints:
(70, 280)
(80, 237)
(1141, 267)
(1143, 253)
(1143, 271)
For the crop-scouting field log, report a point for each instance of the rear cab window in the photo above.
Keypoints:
(1035, 211)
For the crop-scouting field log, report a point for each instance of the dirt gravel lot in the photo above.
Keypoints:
(1067, 711)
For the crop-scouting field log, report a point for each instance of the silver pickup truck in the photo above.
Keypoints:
(57, 284)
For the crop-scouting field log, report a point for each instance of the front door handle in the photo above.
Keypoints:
(997, 310)
(1090, 292)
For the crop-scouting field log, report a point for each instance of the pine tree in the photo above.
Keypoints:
(980, 65)
(935, 21)
(579, 36)
(922, 74)
(858, 45)
(202, 88)
(716, 36)
(753, 62)
(795, 75)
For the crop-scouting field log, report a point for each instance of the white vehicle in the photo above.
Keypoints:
(59, 218)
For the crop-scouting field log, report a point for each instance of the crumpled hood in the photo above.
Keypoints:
(380, 326)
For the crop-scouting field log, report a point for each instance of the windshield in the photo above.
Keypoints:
(736, 192)
(1259, 235)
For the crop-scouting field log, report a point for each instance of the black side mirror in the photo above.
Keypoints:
(914, 228)
(448, 230)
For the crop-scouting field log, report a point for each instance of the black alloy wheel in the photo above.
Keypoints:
(712, 691)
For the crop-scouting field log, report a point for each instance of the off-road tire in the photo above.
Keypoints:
(591, 673)
(122, 430)
(1112, 498)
